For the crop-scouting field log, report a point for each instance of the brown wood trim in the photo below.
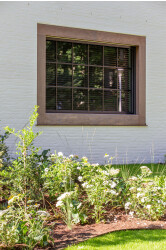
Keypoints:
(44, 118)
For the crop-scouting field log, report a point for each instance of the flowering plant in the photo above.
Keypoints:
(146, 197)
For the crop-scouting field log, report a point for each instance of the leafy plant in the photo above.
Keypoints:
(24, 173)
(20, 226)
(146, 197)
(4, 163)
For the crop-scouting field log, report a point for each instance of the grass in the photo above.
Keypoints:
(134, 169)
(126, 240)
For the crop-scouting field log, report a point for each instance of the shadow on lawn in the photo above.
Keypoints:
(123, 237)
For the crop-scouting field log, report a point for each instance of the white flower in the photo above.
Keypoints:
(105, 182)
(148, 206)
(60, 154)
(113, 184)
(84, 184)
(43, 213)
(145, 170)
(59, 203)
(114, 171)
(143, 199)
(113, 192)
(131, 213)
(46, 170)
(127, 205)
(138, 195)
(132, 188)
(105, 172)
(78, 168)
(65, 195)
(133, 178)
(71, 156)
(139, 189)
(95, 164)
(80, 178)
(106, 156)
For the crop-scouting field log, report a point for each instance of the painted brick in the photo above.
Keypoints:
(18, 75)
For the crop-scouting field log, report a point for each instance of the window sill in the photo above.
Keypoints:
(91, 119)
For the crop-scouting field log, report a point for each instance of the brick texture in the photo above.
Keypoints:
(18, 76)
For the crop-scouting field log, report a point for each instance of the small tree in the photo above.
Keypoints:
(24, 174)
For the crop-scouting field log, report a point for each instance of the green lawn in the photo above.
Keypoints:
(126, 240)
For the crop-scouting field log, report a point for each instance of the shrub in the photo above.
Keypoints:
(24, 173)
(146, 197)
(22, 226)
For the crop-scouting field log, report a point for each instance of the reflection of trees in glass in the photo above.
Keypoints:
(80, 76)
(110, 78)
(80, 99)
(80, 53)
(95, 77)
(64, 75)
(64, 99)
(110, 100)
(95, 55)
(51, 73)
(123, 57)
(126, 79)
(110, 56)
(51, 98)
(64, 52)
(51, 50)
(95, 100)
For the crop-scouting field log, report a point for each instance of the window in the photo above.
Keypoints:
(90, 77)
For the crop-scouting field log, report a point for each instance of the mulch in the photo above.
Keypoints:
(64, 237)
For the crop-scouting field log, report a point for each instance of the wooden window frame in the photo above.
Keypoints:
(45, 31)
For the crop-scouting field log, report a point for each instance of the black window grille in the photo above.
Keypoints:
(89, 78)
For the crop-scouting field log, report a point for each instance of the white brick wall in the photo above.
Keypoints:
(18, 75)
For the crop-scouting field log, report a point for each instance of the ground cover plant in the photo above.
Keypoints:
(127, 240)
(38, 187)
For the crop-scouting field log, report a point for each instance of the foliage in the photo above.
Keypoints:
(146, 197)
(20, 226)
(60, 176)
(4, 163)
(102, 186)
(24, 174)
(70, 207)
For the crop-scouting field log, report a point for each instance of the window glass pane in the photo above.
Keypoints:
(64, 75)
(80, 53)
(80, 76)
(95, 100)
(123, 57)
(51, 73)
(125, 99)
(64, 99)
(64, 52)
(51, 99)
(110, 78)
(95, 77)
(110, 100)
(110, 56)
(51, 50)
(95, 55)
(129, 102)
(125, 80)
(80, 99)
